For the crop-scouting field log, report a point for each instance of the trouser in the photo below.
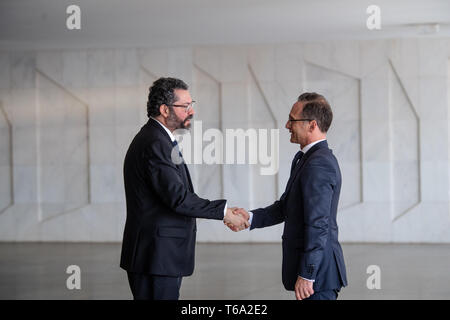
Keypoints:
(324, 295)
(154, 287)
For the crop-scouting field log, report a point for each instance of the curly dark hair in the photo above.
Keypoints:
(162, 92)
(317, 107)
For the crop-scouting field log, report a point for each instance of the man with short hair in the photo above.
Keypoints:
(313, 262)
(158, 246)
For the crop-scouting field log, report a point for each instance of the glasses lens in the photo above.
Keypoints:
(190, 106)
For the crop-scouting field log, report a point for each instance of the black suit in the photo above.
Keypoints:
(160, 229)
(309, 207)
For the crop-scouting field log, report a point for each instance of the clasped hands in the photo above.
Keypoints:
(236, 219)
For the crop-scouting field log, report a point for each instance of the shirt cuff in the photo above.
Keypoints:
(225, 210)
(307, 279)
(250, 219)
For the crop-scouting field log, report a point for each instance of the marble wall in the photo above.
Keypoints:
(68, 116)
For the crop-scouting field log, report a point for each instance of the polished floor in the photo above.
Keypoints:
(223, 271)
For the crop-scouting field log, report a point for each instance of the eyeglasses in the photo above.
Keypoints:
(186, 107)
(292, 120)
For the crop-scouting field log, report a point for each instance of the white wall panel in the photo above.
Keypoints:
(68, 116)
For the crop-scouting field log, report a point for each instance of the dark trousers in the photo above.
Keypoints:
(153, 287)
(324, 295)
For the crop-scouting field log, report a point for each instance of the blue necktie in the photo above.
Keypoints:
(175, 144)
(180, 160)
(296, 160)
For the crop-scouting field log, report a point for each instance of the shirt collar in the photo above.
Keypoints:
(309, 146)
(172, 137)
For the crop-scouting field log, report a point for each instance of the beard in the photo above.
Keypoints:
(174, 123)
(184, 125)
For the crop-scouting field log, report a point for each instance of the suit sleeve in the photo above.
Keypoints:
(167, 183)
(269, 216)
(318, 182)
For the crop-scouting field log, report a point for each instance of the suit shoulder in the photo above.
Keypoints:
(322, 158)
(321, 161)
(148, 143)
(150, 136)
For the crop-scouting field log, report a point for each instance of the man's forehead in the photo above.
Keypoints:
(296, 108)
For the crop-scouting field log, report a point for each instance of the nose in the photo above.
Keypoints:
(287, 126)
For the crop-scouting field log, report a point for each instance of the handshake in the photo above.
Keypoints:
(236, 219)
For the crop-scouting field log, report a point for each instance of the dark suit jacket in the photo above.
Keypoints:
(309, 207)
(160, 229)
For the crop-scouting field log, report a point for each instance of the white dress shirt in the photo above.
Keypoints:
(172, 137)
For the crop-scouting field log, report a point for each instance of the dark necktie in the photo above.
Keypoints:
(296, 160)
(175, 144)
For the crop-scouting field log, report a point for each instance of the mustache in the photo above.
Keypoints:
(188, 118)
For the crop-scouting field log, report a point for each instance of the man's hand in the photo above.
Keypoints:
(241, 212)
(303, 288)
(234, 221)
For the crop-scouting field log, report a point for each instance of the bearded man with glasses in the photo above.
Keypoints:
(158, 246)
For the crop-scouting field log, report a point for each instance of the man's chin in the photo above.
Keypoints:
(187, 124)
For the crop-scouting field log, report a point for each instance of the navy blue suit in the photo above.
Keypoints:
(308, 207)
(160, 229)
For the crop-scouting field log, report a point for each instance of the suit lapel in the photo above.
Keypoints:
(303, 160)
(185, 171)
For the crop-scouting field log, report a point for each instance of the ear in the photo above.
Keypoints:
(312, 125)
(164, 110)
